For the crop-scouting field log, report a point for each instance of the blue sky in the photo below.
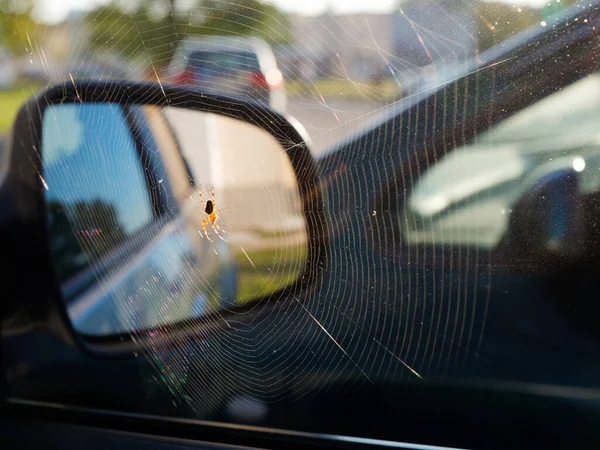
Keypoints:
(56, 10)
(87, 137)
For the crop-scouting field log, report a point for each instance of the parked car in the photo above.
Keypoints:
(243, 67)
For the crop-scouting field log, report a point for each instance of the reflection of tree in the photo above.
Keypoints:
(98, 226)
(65, 250)
(16, 25)
(151, 30)
(82, 232)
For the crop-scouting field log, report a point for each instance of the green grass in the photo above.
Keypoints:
(10, 102)
(387, 90)
(270, 271)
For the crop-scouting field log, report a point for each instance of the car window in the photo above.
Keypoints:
(86, 220)
(467, 197)
(223, 62)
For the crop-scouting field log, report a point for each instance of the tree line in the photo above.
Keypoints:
(154, 29)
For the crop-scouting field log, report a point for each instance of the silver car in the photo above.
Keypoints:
(241, 67)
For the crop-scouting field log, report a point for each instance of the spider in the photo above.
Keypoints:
(210, 208)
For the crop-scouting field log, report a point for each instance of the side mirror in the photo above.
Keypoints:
(548, 221)
(138, 210)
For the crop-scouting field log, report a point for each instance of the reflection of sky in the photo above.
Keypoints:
(60, 144)
(89, 154)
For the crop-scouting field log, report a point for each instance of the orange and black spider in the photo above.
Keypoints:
(210, 208)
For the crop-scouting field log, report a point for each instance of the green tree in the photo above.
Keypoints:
(496, 22)
(132, 34)
(82, 232)
(17, 29)
(240, 18)
(155, 29)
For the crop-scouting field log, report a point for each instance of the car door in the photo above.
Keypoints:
(428, 199)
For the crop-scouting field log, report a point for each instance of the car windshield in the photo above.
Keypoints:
(369, 218)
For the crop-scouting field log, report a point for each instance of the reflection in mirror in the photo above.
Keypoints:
(158, 215)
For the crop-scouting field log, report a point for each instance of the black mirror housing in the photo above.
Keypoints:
(30, 282)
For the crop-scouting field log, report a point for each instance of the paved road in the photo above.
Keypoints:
(328, 120)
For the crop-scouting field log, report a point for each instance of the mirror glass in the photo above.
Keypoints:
(158, 215)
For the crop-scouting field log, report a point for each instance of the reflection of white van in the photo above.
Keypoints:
(236, 66)
(8, 70)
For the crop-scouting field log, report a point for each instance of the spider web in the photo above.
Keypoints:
(384, 311)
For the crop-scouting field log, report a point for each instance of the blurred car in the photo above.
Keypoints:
(507, 162)
(241, 67)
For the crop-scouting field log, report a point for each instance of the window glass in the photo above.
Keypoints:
(223, 62)
(105, 198)
(468, 196)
